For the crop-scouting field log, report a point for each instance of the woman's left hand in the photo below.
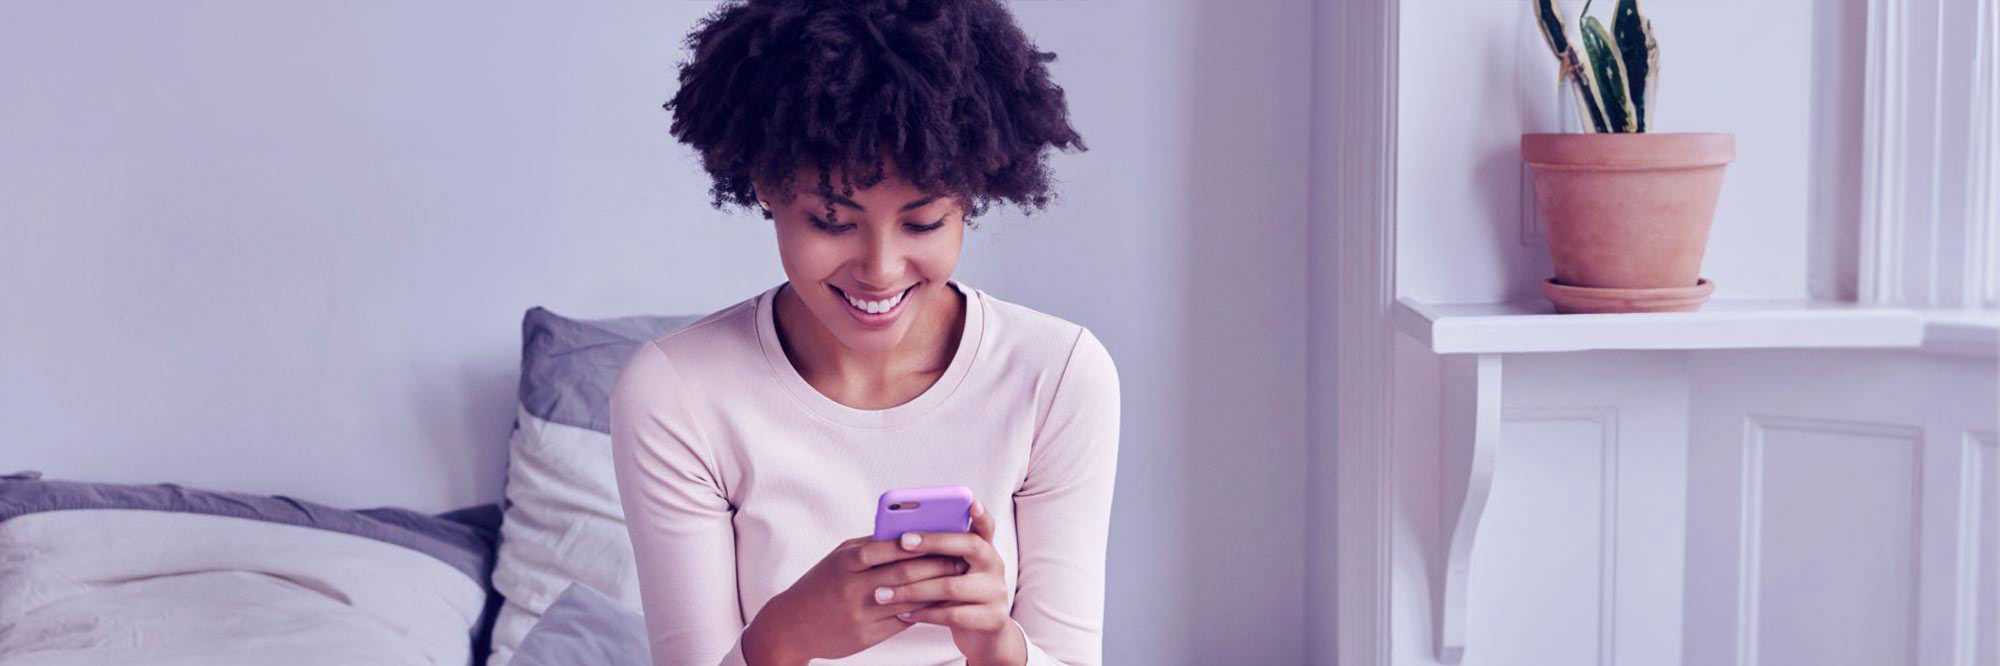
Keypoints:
(974, 603)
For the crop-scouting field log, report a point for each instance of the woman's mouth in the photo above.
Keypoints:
(878, 312)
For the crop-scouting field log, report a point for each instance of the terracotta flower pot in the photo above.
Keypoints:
(1627, 216)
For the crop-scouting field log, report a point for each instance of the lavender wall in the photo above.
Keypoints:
(285, 248)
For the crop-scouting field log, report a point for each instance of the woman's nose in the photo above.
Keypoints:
(881, 264)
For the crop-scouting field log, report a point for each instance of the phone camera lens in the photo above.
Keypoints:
(894, 507)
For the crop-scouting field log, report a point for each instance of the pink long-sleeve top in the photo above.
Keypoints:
(737, 476)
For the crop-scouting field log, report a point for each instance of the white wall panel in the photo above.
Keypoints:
(1836, 512)
(1578, 555)
(1829, 551)
(1979, 610)
(1545, 561)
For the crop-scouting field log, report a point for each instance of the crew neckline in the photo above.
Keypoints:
(892, 417)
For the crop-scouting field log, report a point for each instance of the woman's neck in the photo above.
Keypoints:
(820, 357)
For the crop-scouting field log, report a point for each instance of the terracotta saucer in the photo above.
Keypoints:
(1580, 300)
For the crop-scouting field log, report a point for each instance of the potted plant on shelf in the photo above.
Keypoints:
(1626, 210)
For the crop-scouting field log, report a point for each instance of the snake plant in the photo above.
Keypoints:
(1615, 72)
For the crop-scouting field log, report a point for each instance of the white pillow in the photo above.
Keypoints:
(563, 523)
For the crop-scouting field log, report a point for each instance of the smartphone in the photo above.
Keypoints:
(923, 509)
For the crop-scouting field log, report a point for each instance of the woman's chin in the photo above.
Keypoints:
(871, 342)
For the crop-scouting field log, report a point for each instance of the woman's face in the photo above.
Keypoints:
(892, 248)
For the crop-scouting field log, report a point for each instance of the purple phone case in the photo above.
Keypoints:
(939, 509)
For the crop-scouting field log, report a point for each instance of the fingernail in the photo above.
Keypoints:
(883, 594)
(905, 615)
(977, 510)
(911, 539)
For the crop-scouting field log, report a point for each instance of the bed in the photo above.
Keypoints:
(102, 573)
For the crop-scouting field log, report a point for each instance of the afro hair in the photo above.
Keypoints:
(951, 90)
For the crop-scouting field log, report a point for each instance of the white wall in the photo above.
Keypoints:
(285, 249)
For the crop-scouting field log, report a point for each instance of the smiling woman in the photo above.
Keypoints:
(867, 317)
(750, 446)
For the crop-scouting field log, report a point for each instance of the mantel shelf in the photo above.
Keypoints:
(1472, 342)
(1501, 328)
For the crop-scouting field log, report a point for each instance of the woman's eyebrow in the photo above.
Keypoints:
(844, 201)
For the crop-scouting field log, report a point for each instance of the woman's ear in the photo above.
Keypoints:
(763, 201)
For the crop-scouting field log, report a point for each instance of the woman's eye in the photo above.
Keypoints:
(822, 225)
(918, 228)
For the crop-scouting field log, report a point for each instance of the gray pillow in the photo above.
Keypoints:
(585, 627)
(568, 365)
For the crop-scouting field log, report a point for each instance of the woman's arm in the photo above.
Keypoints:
(1062, 514)
(678, 516)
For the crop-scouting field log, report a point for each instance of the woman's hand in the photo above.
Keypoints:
(832, 611)
(974, 604)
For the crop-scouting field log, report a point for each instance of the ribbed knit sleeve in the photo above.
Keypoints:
(1063, 513)
(678, 516)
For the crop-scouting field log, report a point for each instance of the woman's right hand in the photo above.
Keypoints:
(832, 610)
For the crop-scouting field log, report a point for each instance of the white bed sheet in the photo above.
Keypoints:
(120, 586)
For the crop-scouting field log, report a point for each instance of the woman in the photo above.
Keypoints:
(751, 446)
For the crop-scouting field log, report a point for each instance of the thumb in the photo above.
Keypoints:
(982, 521)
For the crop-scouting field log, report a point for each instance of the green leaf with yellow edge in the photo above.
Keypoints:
(1548, 16)
(1641, 56)
(1609, 70)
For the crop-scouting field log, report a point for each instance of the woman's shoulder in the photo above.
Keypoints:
(1020, 331)
(1068, 364)
(727, 336)
(733, 324)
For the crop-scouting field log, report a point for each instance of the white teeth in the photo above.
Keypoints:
(876, 307)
